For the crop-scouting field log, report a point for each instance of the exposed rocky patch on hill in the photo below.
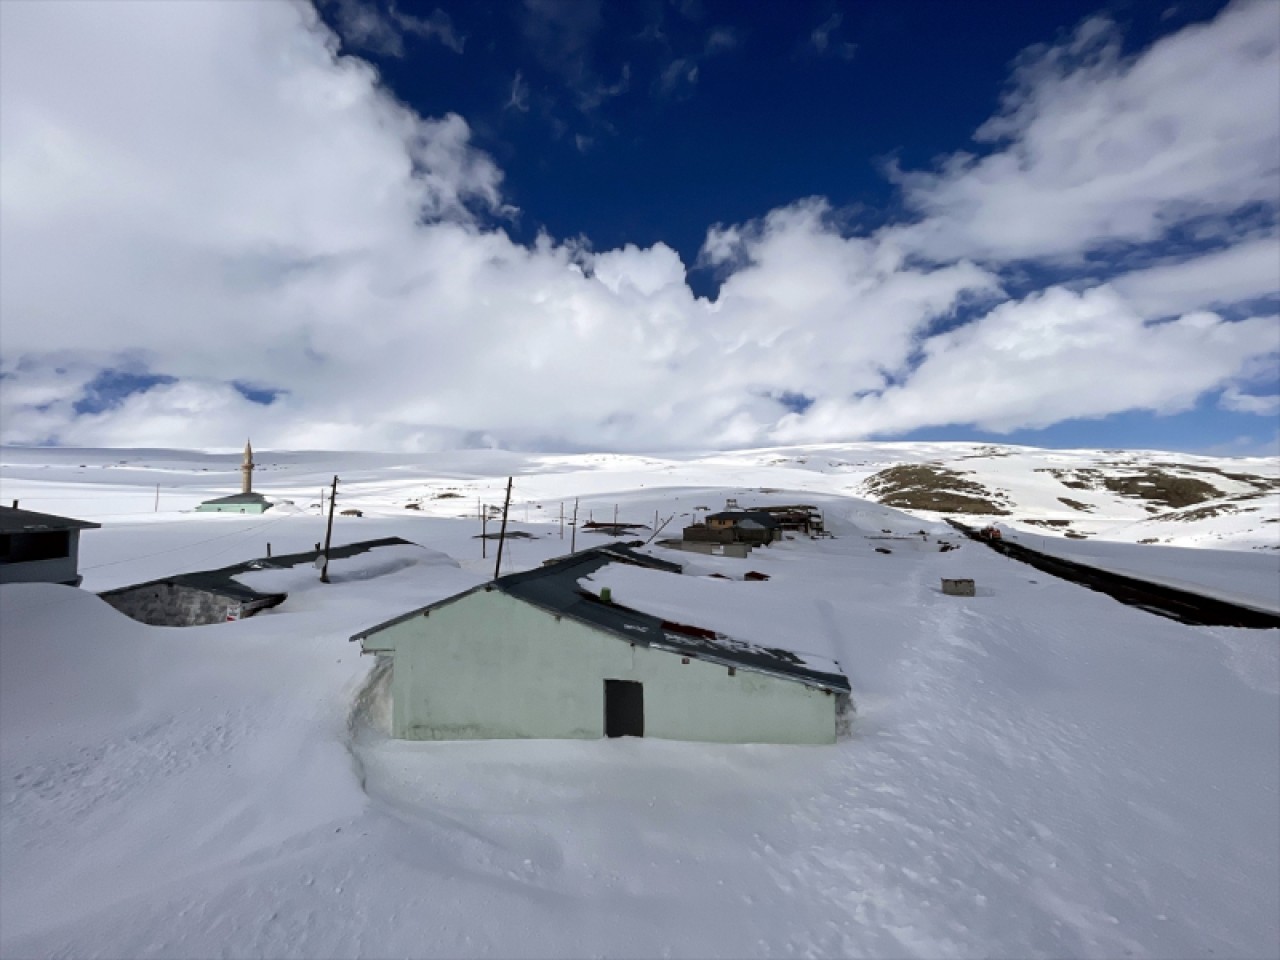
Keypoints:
(933, 487)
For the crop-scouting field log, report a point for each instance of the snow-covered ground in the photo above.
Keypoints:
(1035, 771)
(1251, 579)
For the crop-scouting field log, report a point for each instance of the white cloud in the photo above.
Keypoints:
(365, 26)
(1247, 271)
(1053, 356)
(205, 190)
(821, 39)
(1093, 147)
(1262, 405)
(519, 99)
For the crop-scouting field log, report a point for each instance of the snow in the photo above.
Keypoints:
(1034, 771)
(1250, 579)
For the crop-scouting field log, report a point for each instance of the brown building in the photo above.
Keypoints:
(735, 526)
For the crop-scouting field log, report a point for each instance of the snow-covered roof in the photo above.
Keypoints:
(240, 498)
(222, 580)
(554, 587)
(761, 517)
(13, 520)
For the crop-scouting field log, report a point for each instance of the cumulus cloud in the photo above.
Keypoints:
(213, 196)
(1053, 356)
(1249, 270)
(1092, 147)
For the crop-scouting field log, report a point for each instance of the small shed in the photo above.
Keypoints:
(40, 547)
(534, 655)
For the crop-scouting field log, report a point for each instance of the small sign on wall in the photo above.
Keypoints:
(234, 612)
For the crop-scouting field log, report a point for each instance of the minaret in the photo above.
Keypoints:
(246, 470)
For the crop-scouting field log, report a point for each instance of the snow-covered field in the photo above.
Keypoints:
(1035, 771)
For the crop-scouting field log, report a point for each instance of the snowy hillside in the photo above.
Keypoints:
(1034, 771)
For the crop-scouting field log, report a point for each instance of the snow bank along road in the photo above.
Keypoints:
(1036, 771)
(1178, 604)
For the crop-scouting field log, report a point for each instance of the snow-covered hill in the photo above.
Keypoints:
(1127, 496)
(1034, 771)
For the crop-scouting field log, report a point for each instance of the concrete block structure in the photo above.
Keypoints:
(534, 655)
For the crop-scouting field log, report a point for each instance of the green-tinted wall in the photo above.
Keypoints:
(232, 508)
(488, 666)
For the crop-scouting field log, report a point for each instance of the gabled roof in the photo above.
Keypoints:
(13, 520)
(238, 498)
(554, 588)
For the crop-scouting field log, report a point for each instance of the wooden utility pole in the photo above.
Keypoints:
(484, 529)
(503, 535)
(328, 533)
(561, 519)
(573, 542)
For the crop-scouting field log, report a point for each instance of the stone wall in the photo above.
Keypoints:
(167, 604)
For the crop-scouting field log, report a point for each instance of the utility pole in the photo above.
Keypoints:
(328, 533)
(561, 519)
(573, 542)
(660, 529)
(615, 519)
(503, 535)
(484, 525)
(157, 509)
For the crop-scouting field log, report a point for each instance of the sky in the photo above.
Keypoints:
(653, 225)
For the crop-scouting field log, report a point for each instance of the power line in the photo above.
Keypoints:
(189, 546)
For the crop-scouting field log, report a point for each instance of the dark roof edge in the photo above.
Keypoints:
(37, 520)
(417, 612)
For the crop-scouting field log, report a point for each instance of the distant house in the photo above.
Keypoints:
(755, 527)
(800, 517)
(236, 503)
(40, 547)
(534, 655)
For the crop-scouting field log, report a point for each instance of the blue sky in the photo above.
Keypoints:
(661, 224)
(614, 142)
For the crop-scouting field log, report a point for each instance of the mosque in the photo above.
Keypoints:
(246, 501)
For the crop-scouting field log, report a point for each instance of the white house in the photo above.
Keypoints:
(535, 655)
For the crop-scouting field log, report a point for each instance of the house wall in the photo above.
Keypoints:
(735, 550)
(51, 570)
(699, 533)
(489, 666)
(232, 508)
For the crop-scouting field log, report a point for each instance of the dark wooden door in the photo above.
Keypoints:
(623, 708)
